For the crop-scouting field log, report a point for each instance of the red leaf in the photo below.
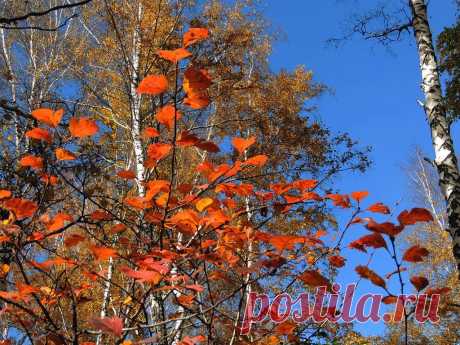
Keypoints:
(208, 146)
(196, 81)
(99, 215)
(48, 116)
(20, 207)
(419, 282)
(367, 273)
(113, 325)
(285, 328)
(379, 208)
(165, 116)
(142, 275)
(415, 254)
(31, 161)
(39, 134)
(174, 55)
(153, 85)
(126, 174)
(384, 228)
(73, 240)
(194, 35)
(359, 196)
(374, 240)
(337, 261)
(314, 278)
(414, 216)
(242, 144)
(82, 127)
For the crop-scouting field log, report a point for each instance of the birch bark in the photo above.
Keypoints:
(445, 159)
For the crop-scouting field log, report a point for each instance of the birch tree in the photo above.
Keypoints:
(391, 25)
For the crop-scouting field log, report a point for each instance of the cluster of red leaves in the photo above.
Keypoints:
(212, 218)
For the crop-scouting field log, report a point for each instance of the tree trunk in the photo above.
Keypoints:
(445, 159)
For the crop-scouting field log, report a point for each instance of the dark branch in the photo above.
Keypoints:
(28, 27)
(380, 24)
(11, 20)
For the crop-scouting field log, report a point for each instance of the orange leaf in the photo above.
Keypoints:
(126, 174)
(165, 116)
(150, 132)
(58, 221)
(194, 35)
(197, 101)
(39, 134)
(174, 55)
(419, 282)
(153, 85)
(158, 151)
(142, 275)
(103, 253)
(113, 325)
(415, 254)
(339, 200)
(64, 155)
(192, 340)
(259, 161)
(379, 208)
(82, 127)
(414, 216)
(314, 278)
(138, 202)
(359, 196)
(241, 144)
(196, 81)
(31, 161)
(21, 208)
(4, 194)
(367, 273)
(48, 116)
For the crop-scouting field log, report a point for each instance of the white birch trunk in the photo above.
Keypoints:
(445, 159)
(136, 103)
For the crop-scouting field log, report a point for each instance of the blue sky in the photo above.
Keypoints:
(375, 93)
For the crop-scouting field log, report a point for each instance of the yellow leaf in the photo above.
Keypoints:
(202, 204)
(5, 268)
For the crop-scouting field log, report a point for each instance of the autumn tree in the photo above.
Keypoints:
(186, 176)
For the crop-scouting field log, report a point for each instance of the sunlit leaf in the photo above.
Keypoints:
(82, 127)
(153, 85)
